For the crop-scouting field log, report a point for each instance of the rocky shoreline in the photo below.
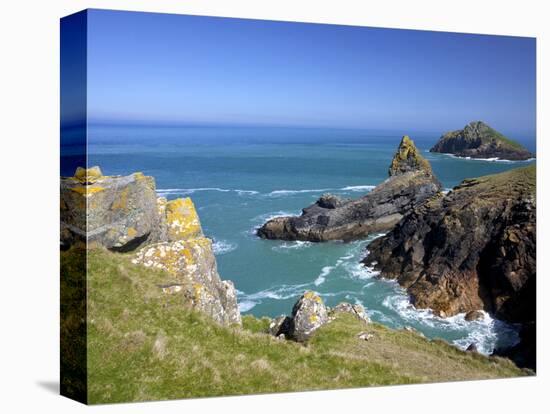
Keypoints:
(472, 249)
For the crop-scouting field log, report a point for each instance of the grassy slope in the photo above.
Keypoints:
(493, 134)
(510, 183)
(144, 345)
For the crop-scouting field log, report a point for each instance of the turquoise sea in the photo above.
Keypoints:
(238, 177)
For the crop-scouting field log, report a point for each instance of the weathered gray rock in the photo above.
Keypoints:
(119, 213)
(308, 315)
(123, 213)
(192, 263)
(479, 140)
(411, 182)
(356, 310)
(365, 336)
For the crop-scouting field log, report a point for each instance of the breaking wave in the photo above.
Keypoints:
(163, 192)
(487, 333)
(221, 247)
(294, 245)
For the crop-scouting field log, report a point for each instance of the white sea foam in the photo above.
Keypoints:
(189, 191)
(222, 247)
(281, 292)
(487, 333)
(358, 188)
(294, 245)
(246, 305)
(357, 270)
(492, 159)
(325, 271)
(279, 193)
(352, 188)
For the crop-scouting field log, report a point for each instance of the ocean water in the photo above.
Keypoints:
(240, 177)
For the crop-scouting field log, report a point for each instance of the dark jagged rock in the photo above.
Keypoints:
(524, 354)
(472, 348)
(474, 248)
(479, 140)
(123, 213)
(411, 182)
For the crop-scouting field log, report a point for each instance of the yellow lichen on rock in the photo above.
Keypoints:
(88, 175)
(177, 258)
(408, 158)
(182, 219)
(122, 200)
(87, 191)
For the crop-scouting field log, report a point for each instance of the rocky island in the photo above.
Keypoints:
(479, 140)
(411, 181)
(474, 248)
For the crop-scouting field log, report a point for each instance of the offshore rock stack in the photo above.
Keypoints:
(410, 183)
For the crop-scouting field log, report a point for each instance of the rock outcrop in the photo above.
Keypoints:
(474, 248)
(119, 213)
(479, 140)
(356, 310)
(309, 314)
(123, 213)
(410, 183)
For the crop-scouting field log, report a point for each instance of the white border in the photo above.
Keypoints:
(29, 201)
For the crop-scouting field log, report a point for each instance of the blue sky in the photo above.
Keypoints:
(183, 69)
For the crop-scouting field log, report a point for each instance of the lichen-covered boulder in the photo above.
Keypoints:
(182, 220)
(356, 310)
(123, 213)
(193, 265)
(116, 212)
(308, 315)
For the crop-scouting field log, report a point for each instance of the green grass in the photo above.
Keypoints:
(493, 134)
(517, 182)
(145, 345)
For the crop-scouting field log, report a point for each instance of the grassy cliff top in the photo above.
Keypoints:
(145, 345)
(512, 183)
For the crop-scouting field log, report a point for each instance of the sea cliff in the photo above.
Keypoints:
(474, 248)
